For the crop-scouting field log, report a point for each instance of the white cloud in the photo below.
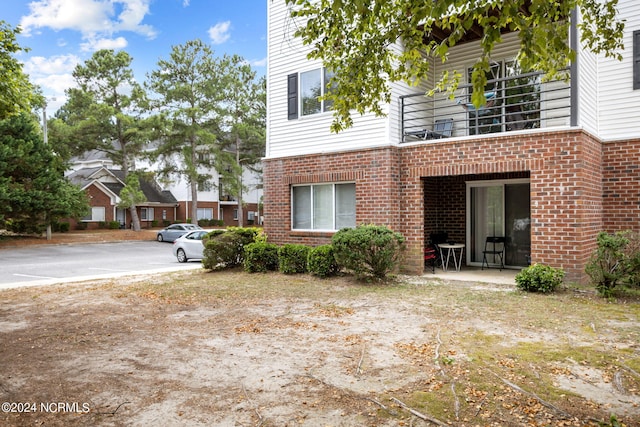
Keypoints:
(219, 33)
(39, 65)
(92, 18)
(97, 44)
(53, 75)
(259, 62)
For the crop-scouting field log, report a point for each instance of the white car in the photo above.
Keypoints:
(189, 246)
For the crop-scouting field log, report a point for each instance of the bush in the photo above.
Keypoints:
(539, 278)
(368, 250)
(225, 248)
(615, 262)
(222, 251)
(114, 225)
(260, 257)
(60, 227)
(321, 261)
(292, 258)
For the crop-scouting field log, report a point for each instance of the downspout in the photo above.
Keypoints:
(573, 44)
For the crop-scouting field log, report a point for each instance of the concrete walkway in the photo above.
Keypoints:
(472, 274)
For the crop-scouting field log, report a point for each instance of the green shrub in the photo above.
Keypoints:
(539, 278)
(114, 225)
(222, 251)
(60, 227)
(225, 248)
(368, 250)
(102, 224)
(321, 261)
(292, 258)
(615, 262)
(260, 257)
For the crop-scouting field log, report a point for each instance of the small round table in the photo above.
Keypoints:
(451, 249)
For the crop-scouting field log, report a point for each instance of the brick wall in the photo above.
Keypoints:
(621, 193)
(375, 172)
(395, 187)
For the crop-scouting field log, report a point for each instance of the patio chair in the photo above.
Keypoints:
(431, 258)
(441, 129)
(493, 245)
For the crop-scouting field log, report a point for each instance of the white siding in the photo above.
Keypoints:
(587, 93)
(310, 134)
(618, 103)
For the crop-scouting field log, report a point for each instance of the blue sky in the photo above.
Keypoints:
(63, 33)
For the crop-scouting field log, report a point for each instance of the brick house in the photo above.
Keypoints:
(96, 173)
(103, 187)
(548, 165)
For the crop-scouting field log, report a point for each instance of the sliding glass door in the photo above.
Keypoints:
(499, 208)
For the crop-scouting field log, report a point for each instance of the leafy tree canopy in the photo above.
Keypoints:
(354, 39)
(209, 106)
(33, 189)
(16, 92)
(105, 112)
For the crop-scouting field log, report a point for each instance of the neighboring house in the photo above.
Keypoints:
(546, 164)
(96, 173)
(103, 187)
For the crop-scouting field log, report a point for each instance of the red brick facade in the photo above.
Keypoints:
(578, 185)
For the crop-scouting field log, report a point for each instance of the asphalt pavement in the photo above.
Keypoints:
(55, 264)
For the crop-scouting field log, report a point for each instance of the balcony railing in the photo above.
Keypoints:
(513, 103)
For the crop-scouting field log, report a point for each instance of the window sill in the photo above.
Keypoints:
(312, 233)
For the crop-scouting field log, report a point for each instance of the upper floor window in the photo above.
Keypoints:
(304, 91)
(636, 60)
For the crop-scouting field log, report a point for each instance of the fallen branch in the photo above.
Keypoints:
(420, 414)
(630, 370)
(352, 394)
(358, 370)
(481, 403)
(114, 411)
(255, 409)
(456, 401)
(534, 396)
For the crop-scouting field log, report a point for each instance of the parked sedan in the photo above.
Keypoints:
(189, 246)
(172, 232)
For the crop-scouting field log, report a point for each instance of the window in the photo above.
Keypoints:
(323, 206)
(146, 214)
(235, 214)
(303, 91)
(636, 60)
(97, 214)
(204, 157)
(205, 213)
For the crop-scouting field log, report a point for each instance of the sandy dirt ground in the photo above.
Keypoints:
(116, 353)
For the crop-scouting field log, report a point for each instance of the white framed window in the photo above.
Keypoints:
(146, 214)
(205, 213)
(235, 214)
(97, 214)
(323, 206)
(304, 91)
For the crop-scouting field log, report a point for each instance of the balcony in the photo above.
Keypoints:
(518, 102)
